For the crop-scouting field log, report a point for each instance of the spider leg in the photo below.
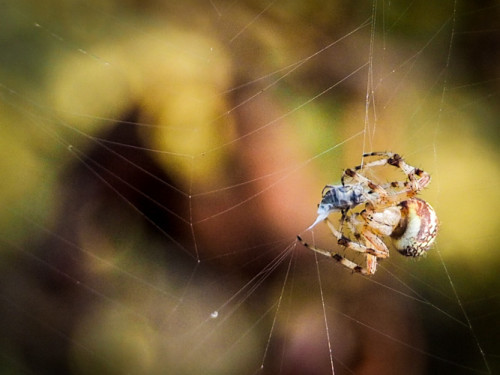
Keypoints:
(347, 243)
(376, 191)
(395, 184)
(369, 270)
(378, 247)
(418, 178)
(342, 220)
(379, 250)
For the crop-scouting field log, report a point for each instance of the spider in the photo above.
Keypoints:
(390, 209)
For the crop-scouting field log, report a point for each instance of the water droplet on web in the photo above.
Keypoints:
(214, 314)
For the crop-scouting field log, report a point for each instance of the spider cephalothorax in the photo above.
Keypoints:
(390, 210)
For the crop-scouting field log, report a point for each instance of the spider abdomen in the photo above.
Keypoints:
(417, 228)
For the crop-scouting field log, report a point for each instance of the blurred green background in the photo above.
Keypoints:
(158, 157)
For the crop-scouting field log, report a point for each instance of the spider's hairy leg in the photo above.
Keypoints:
(369, 270)
(379, 153)
(373, 245)
(334, 230)
(418, 178)
(383, 220)
(371, 264)
(358, 178)
(375, 241)
(347, 243)
(314, 248)
(395, 184)
(386, 156)
(343, 220)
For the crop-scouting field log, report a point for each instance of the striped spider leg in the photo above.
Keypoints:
(418, 179)
(373, 247)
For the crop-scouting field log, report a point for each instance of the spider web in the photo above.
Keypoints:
(160, 159)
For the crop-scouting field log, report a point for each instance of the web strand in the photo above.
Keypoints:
(445, 268)
(330, 349)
